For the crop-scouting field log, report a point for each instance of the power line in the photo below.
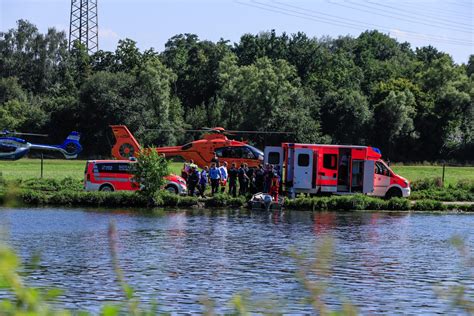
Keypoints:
(451, 13)
(353, 24)
(398, 17)
(429, 17)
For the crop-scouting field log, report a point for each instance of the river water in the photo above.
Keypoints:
(382, 262)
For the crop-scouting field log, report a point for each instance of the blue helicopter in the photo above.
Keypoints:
(14, 148)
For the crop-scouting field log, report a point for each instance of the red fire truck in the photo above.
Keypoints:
(337, 169)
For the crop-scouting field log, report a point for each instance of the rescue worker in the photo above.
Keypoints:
(275, 186)
(193, 180)
(267, 178)
(250, 172)
(203, 180)
(233, 175)
(215, 176)
(259, 178)
(184, 172)
(243, 180)
(224, 175)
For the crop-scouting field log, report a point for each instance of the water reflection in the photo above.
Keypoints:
(384, 262)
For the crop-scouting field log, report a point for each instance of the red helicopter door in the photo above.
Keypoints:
(303, 168)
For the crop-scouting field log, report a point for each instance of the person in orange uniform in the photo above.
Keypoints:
(275, 186)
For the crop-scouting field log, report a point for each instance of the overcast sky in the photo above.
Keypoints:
(446, 24)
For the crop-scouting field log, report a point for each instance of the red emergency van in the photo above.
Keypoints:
(115, 175)
(337, 169)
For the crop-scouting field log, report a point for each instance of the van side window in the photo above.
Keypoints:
(330, 161)
(381, 169)
(113, 167)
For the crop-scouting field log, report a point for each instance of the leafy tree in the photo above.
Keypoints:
(196, 65)
(149, 171)
(263, 97)
(345, 115)
(470, 66)
(158, 110)
(105, 99)
(34, 58)
(393, 119)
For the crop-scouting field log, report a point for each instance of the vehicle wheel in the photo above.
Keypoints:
(171, 189)
(106, 188)
(394, 192)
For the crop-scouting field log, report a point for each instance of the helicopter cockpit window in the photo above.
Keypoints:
(257, 154)
(244, 152)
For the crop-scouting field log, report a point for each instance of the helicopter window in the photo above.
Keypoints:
(247, 153)
(235, 152)
(257, 153)
(220, 152)
(187, 146)
(7, 149)
(244, 152)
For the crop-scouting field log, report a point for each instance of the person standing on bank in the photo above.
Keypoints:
(243, 180)
(224, 175)
(233, 175)
(215, 176)
(193, 180)
(203, 181)
(259, 178)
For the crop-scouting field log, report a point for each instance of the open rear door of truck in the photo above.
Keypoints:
(369, 172)
(273, 156)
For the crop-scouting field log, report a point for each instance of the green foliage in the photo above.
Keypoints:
(415, 105)
(428, 205)
(149, 171)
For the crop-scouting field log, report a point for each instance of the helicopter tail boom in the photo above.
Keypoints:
(126, 145)
(70, 148)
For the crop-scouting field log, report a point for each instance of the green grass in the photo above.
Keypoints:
(452, 174)
(58, 169)
(53, 169)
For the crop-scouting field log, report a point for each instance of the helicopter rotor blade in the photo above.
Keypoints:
(259, 132)
(177, 129)
(219, 131)
(29, 134)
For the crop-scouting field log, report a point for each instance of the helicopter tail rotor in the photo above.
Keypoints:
(126, 145)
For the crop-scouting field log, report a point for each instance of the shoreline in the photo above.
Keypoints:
(163, 199)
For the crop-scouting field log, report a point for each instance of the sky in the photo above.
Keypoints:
(447, 25)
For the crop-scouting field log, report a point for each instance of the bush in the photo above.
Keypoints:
(149, 171)
(52, 184)
(398, 204)
(428, 183)
(428, 205)
(222, 200)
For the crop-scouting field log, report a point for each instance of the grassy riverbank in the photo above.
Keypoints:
(62, 185)
(68, 192)
(59, 169)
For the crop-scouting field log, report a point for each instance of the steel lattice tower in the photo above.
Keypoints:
(84, 24)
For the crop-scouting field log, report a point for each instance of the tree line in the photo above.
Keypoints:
(414, 104)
